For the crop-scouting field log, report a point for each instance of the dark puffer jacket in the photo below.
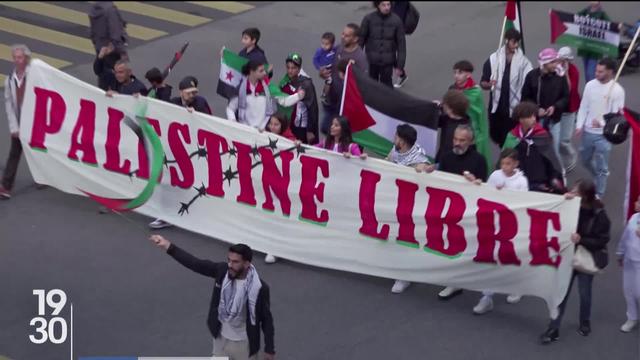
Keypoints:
(383, 39)
(107, 25)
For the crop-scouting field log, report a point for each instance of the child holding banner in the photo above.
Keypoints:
(340, 139)
(511, 178)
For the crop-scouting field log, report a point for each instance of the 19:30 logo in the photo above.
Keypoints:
(54, 329)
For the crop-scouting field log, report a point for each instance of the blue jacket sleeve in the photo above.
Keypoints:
(316, 58)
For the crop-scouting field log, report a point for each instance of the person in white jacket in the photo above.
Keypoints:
(629, 258)
(14, 92)
(254, 104)
(601, 96)
(511, 178)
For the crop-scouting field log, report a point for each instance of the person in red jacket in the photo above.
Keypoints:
(562, 132)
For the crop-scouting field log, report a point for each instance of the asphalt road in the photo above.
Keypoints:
(131, 299)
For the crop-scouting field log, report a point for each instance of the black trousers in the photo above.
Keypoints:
(382, 73)
(500, 124)
(11, 168)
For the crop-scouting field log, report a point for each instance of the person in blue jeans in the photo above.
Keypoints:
(598, 99)
(593, 234)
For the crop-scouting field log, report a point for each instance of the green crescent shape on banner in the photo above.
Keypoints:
(152, 145)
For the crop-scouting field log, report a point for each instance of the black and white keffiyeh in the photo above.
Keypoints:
(415, 155)
(233, 299)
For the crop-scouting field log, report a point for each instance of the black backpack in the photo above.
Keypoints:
(411, 20)
(616, 128)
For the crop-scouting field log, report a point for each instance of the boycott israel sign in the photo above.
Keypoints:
(585, 33)
(305, 204)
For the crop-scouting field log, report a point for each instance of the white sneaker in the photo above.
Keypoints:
(514, 299)
(628, 326)
(449, 292)
(159, 224)
(400, 286)
(270, 259)
(401, 80)
(484, 305)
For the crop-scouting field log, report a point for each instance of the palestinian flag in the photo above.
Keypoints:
(375, 110)
(584, 33)
(231, 74)
(514, 20)
(633, 166)
(477, 113)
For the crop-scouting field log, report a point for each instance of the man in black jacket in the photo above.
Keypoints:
(107, 26)
(240, 304)
(462, 159)
(545, 88)
(189, 97)
(383, 39)
(127, 84)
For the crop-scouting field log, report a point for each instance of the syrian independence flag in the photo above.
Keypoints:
(375, 110)
(633, 166)
(514, 20)
(231, 74)
(584, 33)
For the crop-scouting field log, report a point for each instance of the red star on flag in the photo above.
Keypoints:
(229, 75)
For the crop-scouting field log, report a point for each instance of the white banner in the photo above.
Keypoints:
(316, 207)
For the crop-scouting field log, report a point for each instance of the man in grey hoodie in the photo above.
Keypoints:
(107, 26)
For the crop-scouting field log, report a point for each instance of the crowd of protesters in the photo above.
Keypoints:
(534, 112)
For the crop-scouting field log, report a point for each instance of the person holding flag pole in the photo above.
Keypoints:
(602, 95)
(503, 75)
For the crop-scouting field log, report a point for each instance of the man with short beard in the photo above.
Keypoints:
(240, 304)
(349, 49)
(189, 97)
(406, 152)
(462, 159)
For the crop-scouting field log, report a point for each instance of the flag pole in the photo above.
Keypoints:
(624, 60)
(520, 25)
(615, 80)
(494, 74)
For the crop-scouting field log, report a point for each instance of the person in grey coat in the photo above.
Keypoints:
(383, 39)
(107, 26)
